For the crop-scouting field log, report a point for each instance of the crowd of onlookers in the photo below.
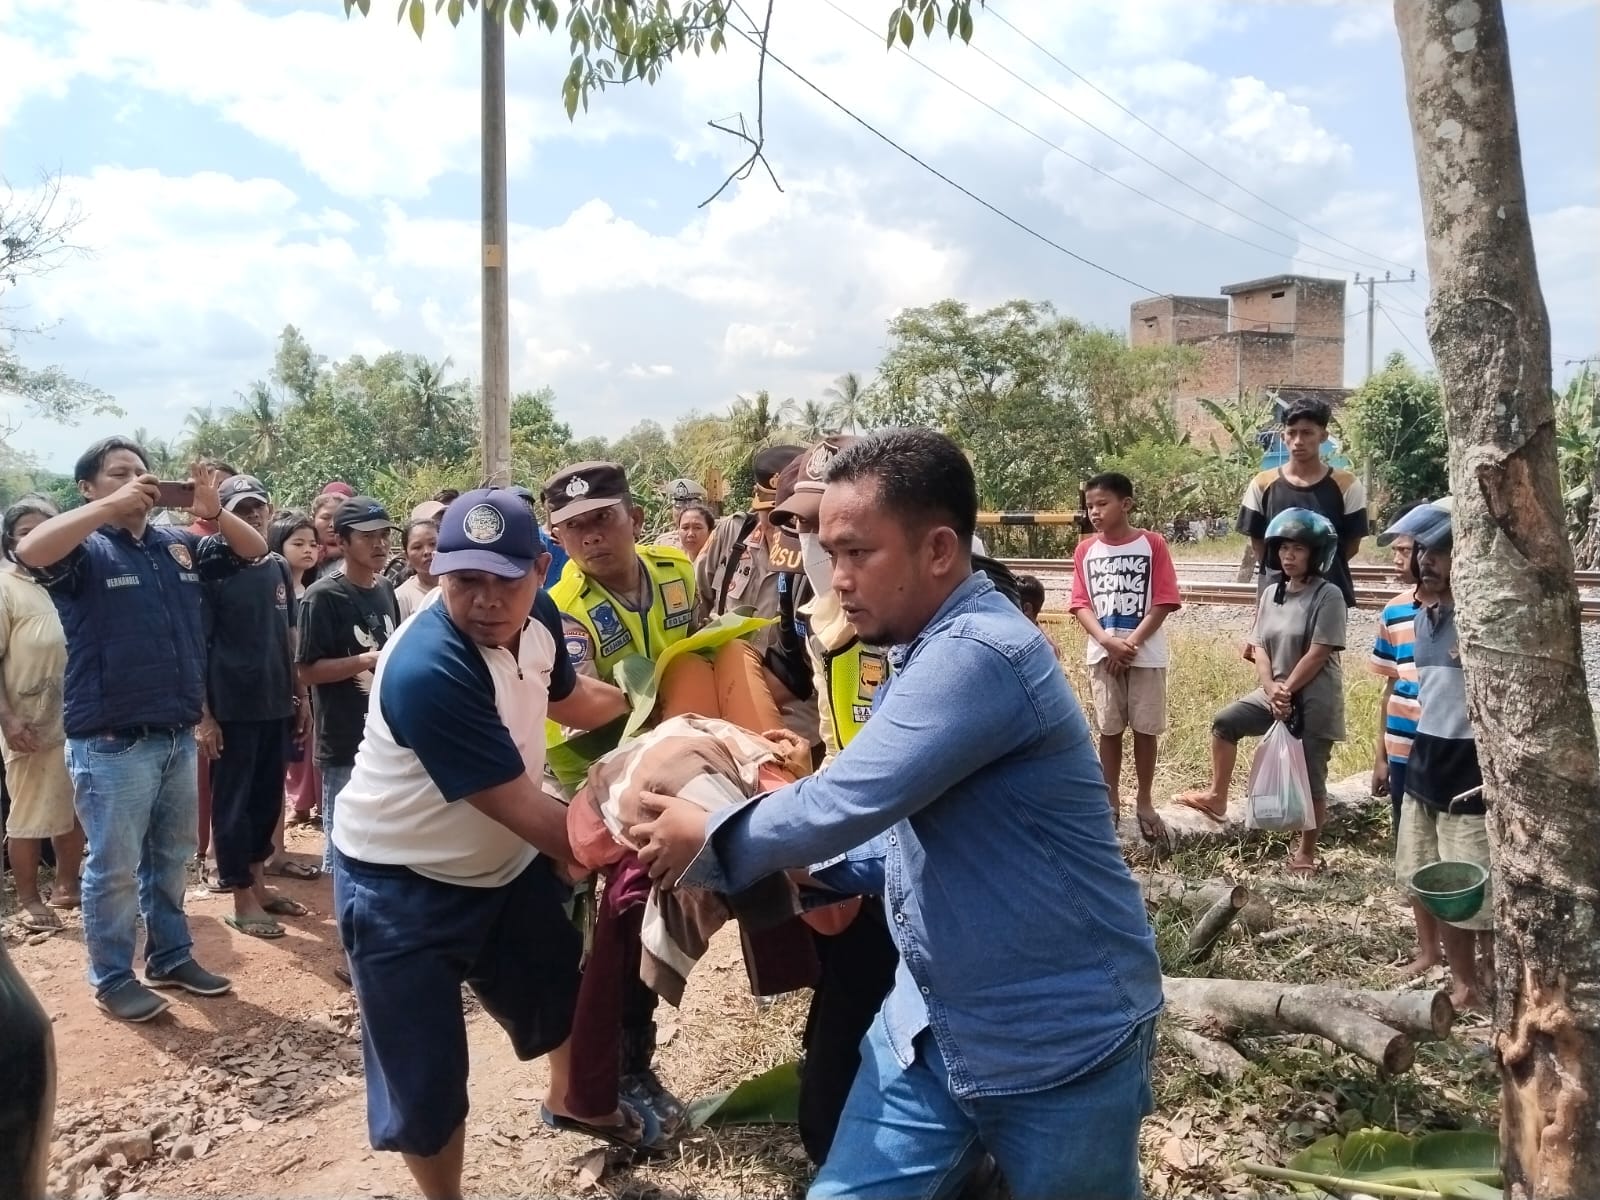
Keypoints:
(179, 691)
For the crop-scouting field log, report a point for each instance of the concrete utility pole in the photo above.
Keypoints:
(495, 400)
(1371, 283)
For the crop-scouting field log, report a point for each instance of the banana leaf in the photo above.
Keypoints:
(1456, 1165)
(771, 1098)
(640, 678)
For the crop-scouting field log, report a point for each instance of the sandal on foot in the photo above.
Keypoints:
(283, 906)
(1302, 869)
(292, 870)
(1152, 829)
(1195, 802)
(64, 902)
(254, 927)
(638, 1131)
(35, 923)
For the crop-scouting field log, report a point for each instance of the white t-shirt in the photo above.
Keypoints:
(1120, 584)
(450, 719)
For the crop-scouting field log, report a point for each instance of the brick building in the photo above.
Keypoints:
(1286, 331)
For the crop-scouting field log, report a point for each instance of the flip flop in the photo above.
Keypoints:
(1192, 801)
(1303, 870)
(293, 870)
(1147, 824)
(52, 902)
(50, 923)
(639, 1131)
(254, 927)
(283, 906)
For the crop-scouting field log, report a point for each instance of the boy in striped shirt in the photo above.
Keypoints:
(1394, 659)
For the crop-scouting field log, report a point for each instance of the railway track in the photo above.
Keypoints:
(1375, 585)
(1360, 572)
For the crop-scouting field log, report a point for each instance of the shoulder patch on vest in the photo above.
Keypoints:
(580, 649)
(180, 555)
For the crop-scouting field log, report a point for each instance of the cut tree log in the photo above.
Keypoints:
(1210, 928)
(1223, 1008)
(1211, 1055)
(1255, 914)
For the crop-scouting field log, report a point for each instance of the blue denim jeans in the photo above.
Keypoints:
(334, 781)
(137, 800)
(903, 1136)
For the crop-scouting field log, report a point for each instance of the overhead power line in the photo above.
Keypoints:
(962, 188)
(991, 12)
(1275, 252)
(1423, 355)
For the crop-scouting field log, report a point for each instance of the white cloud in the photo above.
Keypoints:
(626, 298)
(1364, 22)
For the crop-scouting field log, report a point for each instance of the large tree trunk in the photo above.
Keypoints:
(1516, 601)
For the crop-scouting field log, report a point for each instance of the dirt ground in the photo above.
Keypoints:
(264, 1086)
(260, 1093)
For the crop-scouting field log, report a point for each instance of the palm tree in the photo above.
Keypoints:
(163, 457)
(848, 402)
(813, 422)
(257, 420)
(204, 435)
(424, 387)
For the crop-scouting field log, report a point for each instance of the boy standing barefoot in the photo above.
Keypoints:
(1123, 587)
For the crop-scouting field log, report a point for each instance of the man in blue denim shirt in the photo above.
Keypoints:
(1022, 1015)
(129, 596)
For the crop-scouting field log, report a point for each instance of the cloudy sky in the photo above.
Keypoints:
(245, 165)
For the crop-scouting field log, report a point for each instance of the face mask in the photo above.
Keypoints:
(818, 566)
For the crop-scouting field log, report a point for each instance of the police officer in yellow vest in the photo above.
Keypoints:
(619, 598)
(857, 964)
(616, 597)
(847, 673)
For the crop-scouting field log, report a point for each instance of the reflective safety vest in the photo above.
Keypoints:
(615, 630)
(853, 674)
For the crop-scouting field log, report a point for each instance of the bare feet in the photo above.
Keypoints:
(1421, 965)
(1466, 999)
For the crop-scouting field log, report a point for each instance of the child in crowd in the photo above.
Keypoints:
(1394, 660)
(1123, 588)
(1030, 591)
(294, 536)
(1443, 815)
(1299, 631)
(420, 538)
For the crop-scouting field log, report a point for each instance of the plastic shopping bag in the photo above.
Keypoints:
(1279, 795)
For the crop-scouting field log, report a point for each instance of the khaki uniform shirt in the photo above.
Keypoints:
(753, 585)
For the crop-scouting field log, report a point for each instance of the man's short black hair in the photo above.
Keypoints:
(922, 476)
(217, 464)
(447, 496)
(92, 459)
(1315, 411)
(1031, 590)
(1115, 482)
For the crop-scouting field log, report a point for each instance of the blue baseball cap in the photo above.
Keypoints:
(490, 530)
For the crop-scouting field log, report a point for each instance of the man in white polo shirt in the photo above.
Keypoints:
(449, 857)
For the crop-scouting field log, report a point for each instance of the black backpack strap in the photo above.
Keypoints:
(734, 559)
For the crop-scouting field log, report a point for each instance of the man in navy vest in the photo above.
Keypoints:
(129, 597)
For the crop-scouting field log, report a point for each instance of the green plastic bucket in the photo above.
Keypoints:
(1451, 891)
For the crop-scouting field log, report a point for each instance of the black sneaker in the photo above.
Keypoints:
(644, 1088)
(132, 1002)
(191, 977)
